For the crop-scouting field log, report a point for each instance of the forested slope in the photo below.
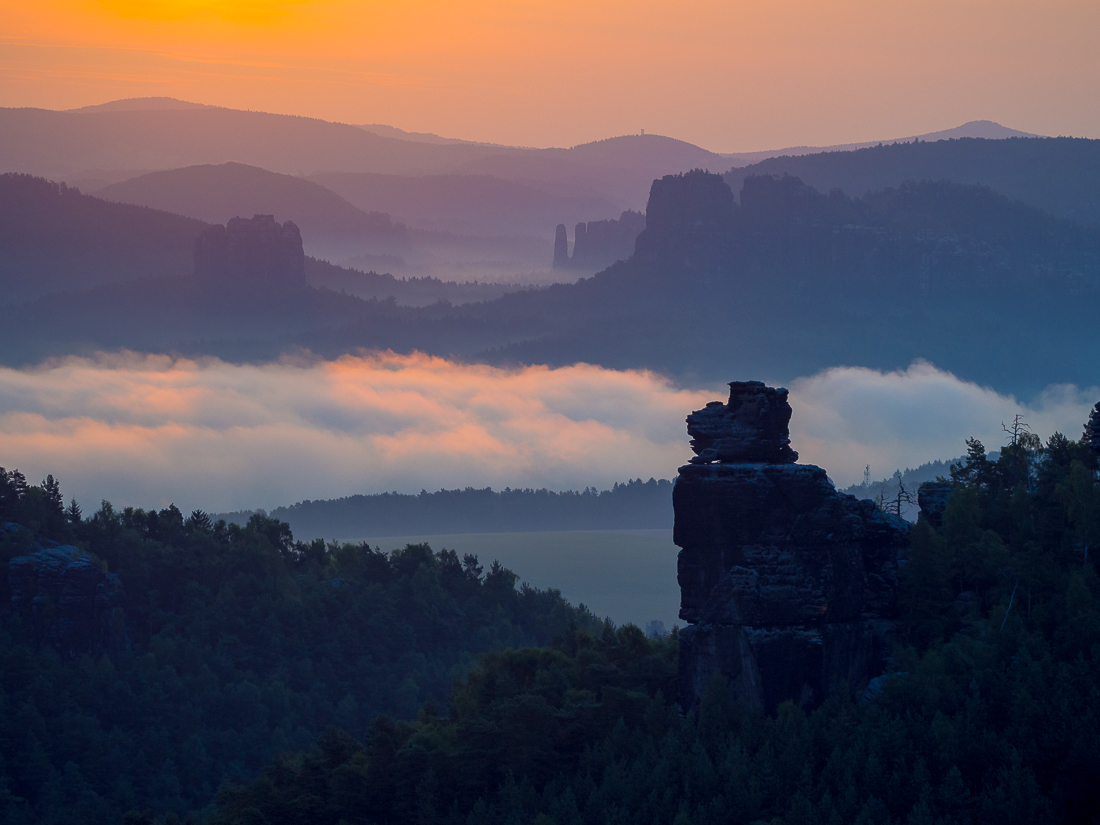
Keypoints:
(238, 643)
(785, 283)
(633, 505)
(988, 715)
(1059, 175)
(53, 239)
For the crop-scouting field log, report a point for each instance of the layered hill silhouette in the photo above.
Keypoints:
(793, 281)
(496, 205)
(985, 129)
(115, 141)
(340, 232)
(1058, 175)
(331, 226)
(784, 281)
(53, 238)
(484, 205)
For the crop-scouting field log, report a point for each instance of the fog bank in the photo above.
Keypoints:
(149, 430)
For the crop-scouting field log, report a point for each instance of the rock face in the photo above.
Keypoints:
(561, 247)
(752, 427)
(256, 251)
(67, 602)
(690, 222)
(932, 499)
(788, 586)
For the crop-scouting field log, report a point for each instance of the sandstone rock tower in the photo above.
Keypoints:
(253, 252)
(788, 587)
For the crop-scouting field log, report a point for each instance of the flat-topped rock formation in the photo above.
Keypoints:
(752, 427)
(255, 251)
(67, 602)
(789, 588)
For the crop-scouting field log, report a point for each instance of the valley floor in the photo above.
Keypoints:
(626, 575)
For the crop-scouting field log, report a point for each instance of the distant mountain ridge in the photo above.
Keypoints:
(781, 282)
(55, 239)
(1058, 175)
(148, 134)
(986, 129)
(480, 204)
(216, 193)
(142, 104)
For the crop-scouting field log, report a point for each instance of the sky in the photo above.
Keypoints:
(146, 431)
(727, 75)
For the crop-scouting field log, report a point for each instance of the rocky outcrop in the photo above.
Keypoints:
(561, 247)
(932, 499)
(789, 588)
(67, 602)
(689, 223)
(256, 251)
(752, 427)
(598, 244)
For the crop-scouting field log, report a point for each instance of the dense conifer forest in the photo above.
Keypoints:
(242, 644)
(268, 680)
(988, 715)
(631, 505)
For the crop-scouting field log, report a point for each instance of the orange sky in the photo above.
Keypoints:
(728, 75)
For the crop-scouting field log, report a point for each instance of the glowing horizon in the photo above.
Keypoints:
(726, 76)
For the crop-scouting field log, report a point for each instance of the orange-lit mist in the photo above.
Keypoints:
(728, 75)
(149, 430)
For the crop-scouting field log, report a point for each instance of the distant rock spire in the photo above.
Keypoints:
(561, 247)
(580, 241)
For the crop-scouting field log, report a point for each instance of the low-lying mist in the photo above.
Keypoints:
(147, 430)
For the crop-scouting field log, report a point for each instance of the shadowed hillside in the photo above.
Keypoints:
(466, 204)
(1059, 175)
(53, 238)
(786, 283)
(215, 193)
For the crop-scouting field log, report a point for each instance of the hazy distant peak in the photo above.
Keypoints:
(986, 129)
(142, 104)
(636, 140)
(976, 129)
(382, 130)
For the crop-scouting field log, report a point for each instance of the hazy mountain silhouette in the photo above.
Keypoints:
(974, 129)
(59, 144)
(54, 239)
(417, 137)
(619, 167)
(156, 134)
(331, 227)
(465, 204)
(1059, 175)
(142, 104)
(787, 282)
(794, 280)
(339, 231)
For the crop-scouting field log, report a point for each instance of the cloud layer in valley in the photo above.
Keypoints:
(847, 418)
(148, 430)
